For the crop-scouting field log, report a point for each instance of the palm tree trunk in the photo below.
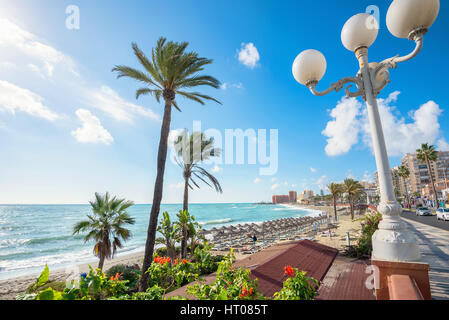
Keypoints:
(433, 183)
(157, 197)
(184, 244)
(185, 206)
(335, 207)
(101, 263)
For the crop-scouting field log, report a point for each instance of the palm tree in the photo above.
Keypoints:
(403, 172)
(170, 235)
(169, 73)
(425, 155)
(184, 224)
(336, 190)
(352, 188)
(191, 151)
(105, 226)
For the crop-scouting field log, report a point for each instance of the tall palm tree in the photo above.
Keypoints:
(191, 151)
(170, 72)
(352, 188)
(185, 219)
(105, 225)
(336, 190)
(425, 155)
(170, 235)
(404, 173)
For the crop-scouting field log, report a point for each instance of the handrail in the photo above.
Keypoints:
(403, 287)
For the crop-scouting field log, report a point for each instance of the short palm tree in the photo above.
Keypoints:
(191, 151)
(185, 219)
(336, 190)
(352, 188)
(105, 225)
(171, 72)
(170, 235)
(404, 173)
(195, 235)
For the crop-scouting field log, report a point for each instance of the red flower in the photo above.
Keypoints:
(289, 271)
(184, 261)
(250, 291)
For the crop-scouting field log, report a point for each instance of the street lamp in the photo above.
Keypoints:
(405, 19)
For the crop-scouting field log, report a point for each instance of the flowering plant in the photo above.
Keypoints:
(231, 284)
(168, 275)
(297, 286)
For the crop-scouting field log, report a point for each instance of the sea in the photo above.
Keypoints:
(32, 236)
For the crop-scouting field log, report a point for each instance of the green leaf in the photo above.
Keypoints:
(43, 278)
(49, 294)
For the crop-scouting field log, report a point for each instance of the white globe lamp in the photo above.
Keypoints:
(359, 31)
(406, 16)
(309, 66)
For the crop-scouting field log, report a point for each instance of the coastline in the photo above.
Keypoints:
(10, 287)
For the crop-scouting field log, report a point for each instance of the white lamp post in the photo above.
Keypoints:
(405, 19)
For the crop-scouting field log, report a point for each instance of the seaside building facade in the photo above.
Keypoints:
(293, 196)
(280, 199)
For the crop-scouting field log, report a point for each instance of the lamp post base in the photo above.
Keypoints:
(393, 241)
(391, 245)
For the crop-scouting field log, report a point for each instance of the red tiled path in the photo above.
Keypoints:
(309, 256)
(346, 281)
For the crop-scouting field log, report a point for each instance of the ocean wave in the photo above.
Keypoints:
(218, 221)
(51, 239)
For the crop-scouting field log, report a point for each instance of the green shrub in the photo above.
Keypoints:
(128, 273)
(364, 247)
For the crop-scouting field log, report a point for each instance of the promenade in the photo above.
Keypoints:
(434, 246)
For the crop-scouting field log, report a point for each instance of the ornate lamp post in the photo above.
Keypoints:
(405, 19)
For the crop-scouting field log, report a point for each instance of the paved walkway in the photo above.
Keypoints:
(434, 246)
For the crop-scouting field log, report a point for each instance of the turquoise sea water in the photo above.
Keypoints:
(34, 235)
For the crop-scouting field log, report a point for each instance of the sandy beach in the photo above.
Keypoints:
(11, 287)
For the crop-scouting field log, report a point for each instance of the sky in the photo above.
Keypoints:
(69, 127)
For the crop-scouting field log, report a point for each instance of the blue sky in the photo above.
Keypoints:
(69, 128)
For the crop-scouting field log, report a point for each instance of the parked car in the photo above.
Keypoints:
(423, 211)
(443, 214)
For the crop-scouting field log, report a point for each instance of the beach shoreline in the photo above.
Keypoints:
(10, 287)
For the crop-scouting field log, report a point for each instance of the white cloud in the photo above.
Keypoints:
(402, 137)
(367, 177)
(313, 170)
(257, 181)
(273, 179)
(226, 86)
(216, 169)
(7, 65)
(351, 121)
(322, 182)
(14, 37)
(285, 183)
(91, 131)
(179, 185)
(249, 55)
(442, 145)
(275, 186)
(109, 101)
(294, 185)
(343, 130)
(26, 52)
(14, 98)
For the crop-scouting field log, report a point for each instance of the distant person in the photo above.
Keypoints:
(254, 241)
